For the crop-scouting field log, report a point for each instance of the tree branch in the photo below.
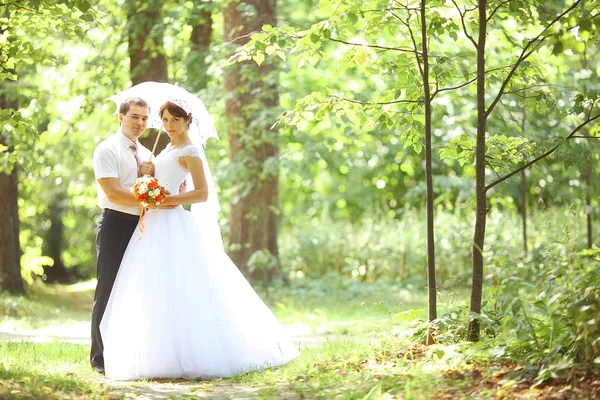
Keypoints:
(592, 107)
(452, 88)
(374, 103)
(405, 6)
(526, 88)
(525, 54)
(412, 38)
(401, 49)
(496, 9)
(462, 21)
(466, 83)
(546, 154)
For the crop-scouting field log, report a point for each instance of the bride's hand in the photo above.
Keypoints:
(166, 206)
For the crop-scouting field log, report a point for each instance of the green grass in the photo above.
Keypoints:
(49, 371)
(369, 351)
(336, 306)
(47, 305)
(349, 314)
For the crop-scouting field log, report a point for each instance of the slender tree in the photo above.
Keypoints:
(524, 208)
(480, 198)
(424, 70)
(483, 113)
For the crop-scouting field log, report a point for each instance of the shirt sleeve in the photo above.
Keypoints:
(105, 163)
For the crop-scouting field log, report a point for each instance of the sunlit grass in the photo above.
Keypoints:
(358, 326)
(47, 305)
(48, 371)
(335, 306)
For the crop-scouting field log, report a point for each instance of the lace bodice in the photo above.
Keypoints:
(168, 171)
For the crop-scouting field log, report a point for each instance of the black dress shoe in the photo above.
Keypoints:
(98, 368)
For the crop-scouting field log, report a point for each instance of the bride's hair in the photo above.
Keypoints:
(175, 111)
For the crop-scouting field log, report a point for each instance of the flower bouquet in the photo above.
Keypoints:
(148, 191)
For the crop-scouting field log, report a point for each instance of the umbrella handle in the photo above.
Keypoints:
(155, 144)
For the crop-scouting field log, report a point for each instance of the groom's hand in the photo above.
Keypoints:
(147, 168)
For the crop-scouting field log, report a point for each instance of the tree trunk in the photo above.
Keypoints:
(145, 32)
(588, 207)
(10, 247)
(201, 38)
(431, 285)
(524, 208)
(481, 205)
(54, 246)
(590, 172)
(253, 219)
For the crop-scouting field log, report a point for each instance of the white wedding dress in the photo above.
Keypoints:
(179, 307)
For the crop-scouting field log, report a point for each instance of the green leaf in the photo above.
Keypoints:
(259, 58)
(360, 57)
(585, 24)
(558, 47)
(464, 71)
(83, 6)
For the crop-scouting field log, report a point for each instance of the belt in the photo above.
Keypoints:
(119, 214)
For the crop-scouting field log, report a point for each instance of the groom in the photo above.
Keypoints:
(117, 164)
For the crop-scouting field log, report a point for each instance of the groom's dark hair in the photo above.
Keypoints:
(136, 101)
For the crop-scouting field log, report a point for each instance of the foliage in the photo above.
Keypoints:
(551, 321)
(350, 169)
(541, 313)
(378, 248)
(20, 21)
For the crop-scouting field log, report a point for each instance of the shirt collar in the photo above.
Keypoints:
(124, 140)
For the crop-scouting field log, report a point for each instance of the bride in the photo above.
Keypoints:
(179, 307)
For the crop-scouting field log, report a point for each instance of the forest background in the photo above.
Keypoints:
(350, 148)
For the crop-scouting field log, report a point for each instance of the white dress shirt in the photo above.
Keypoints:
(113, 158)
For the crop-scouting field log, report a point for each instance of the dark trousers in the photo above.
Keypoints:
(114, 231)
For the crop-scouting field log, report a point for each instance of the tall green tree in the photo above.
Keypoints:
(147, 59)
(201, 20)
(10, 249)
(400, 68)
(480, 21)
(252, 99)
(18, 133)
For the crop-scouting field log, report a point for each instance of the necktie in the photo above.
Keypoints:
(137, 158)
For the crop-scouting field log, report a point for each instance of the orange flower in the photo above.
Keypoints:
(153, 185)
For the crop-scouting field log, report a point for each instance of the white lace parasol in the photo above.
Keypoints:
(157, 93)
